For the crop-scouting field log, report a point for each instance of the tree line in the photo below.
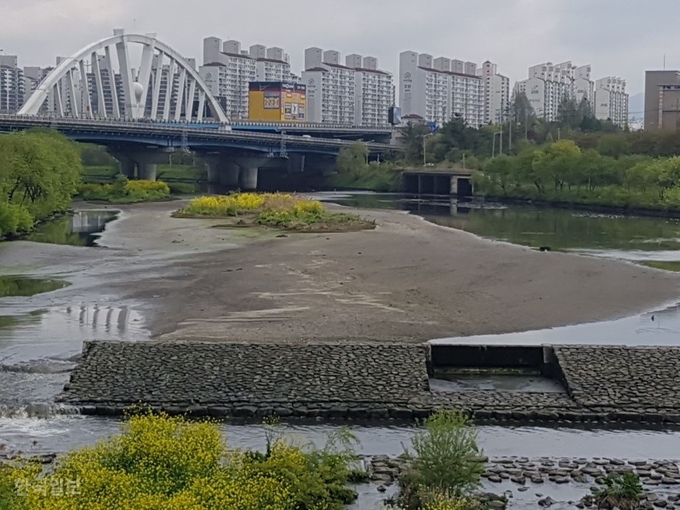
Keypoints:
(564, 172)
(40, 171)
(456, 143)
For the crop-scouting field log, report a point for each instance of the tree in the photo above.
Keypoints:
(613, 146)
(412, 137)
(521, 111)
(500, 171)
(556, 162)
(353, 159)
(39, 173)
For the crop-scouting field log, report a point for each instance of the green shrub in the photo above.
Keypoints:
(624, 492)
(446, 460)
(122, 190)
(14, 218)
(163, 463)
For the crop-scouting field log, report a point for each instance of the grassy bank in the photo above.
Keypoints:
(284, 211)
(122, 191)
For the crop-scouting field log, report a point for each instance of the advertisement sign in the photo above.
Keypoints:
(272, 100)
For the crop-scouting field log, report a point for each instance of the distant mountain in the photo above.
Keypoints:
(636, 106)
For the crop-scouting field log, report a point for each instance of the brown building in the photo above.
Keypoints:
(662, 100)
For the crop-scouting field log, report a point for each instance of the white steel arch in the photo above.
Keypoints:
(152, 91)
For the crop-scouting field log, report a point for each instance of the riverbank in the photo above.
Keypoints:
(408, 280)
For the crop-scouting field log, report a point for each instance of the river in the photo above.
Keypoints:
(41, 335)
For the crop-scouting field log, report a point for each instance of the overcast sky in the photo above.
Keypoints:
(618, 37)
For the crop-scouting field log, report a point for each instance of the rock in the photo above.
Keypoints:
(546, 502)
(666, 480)
(518, 480)
(498, 505)
(561, 480)
(652, 497)
(523, 489)
(661, 503)
(495, 479)
(382, 488)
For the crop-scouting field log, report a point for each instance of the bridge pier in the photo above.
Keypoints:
(229, 174)
(126, 164)
(296, 163)
(221, 170)
(248, 178)
(147, 171)
(249, 170)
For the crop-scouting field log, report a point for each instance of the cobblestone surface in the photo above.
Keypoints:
(373, 382)
(248, 373)
(622, 377)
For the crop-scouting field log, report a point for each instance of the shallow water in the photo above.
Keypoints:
(634, 238)
(11, 286)
(80, 229)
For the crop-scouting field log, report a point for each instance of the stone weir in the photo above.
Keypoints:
(361, 381)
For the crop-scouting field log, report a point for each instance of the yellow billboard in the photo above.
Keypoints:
(277, 102)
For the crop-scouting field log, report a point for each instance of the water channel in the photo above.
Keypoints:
(42, 329)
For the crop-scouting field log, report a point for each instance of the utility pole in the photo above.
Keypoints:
(510, 149)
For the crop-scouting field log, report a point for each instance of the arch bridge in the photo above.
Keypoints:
(101, 81)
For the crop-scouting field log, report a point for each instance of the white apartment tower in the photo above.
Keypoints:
(373, 92)
(584, 87)
(611, 100)
(356, 93)
(440, 89)
(11, 84)
(496, 94)
(547, 86)
(228, 70)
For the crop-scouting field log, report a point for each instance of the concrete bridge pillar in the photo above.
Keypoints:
(249, 170)
(248, 178)
(229, 174)
(127, 165)
(296, 163)
(221, 170)
(147, 171)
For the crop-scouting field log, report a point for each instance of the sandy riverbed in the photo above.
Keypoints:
(408, 280)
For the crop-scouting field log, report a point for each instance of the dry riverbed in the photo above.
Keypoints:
(406, 280)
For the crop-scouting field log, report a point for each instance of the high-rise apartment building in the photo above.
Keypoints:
(355, 93)
(547, 87)
(611, 100)
(496, 94)
(584, 87)
(228, 71)
(373, 92)
(11, 84)
(662, 100)
(440, 89)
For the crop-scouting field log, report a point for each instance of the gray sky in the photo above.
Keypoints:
(618, 37)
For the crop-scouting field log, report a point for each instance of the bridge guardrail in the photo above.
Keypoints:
(173, 129)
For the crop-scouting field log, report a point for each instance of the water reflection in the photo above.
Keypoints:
(655, 328)
(39, 348)
(80, 229)
(21, 286)
(630, 237)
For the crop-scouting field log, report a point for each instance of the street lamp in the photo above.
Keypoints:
(425, 148)
(493, 151)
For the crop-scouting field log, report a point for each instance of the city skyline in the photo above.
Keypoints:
(627, 45)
